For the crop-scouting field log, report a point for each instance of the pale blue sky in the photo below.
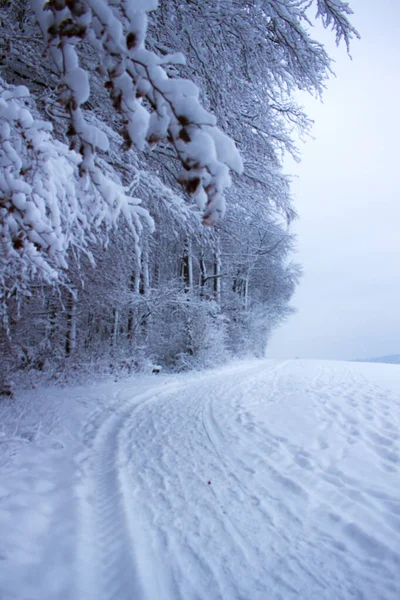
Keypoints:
(348, 200)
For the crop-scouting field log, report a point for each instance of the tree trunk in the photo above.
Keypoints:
(70, 341)
(203, 275)
(246, 291)
(217, 275)
(187, 266)
(115, 328)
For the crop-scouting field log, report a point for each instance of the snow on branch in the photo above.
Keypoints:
(154, 106)
(334, 14)
(46, 207)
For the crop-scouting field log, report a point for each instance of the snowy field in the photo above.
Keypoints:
(263, 480)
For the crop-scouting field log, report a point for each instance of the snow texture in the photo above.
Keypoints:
(262, 480)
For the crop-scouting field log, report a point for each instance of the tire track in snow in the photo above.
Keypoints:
(276, 521)
(186, 519)
(108, 566)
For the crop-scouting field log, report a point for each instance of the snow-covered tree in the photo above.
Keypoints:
(107, 134)
(48, 209)
(153, 106)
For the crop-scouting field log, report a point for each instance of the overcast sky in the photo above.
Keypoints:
(347, 195)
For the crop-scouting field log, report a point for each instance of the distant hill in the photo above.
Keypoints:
(393, 359)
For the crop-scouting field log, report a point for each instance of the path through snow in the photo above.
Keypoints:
(264, 480)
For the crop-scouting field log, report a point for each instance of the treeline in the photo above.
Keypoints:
(114, 245)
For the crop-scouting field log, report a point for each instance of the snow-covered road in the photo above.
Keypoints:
(262, 480)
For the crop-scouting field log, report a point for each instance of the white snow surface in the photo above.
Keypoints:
(261, 480)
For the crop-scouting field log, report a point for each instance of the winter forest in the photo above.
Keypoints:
(144, 212)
